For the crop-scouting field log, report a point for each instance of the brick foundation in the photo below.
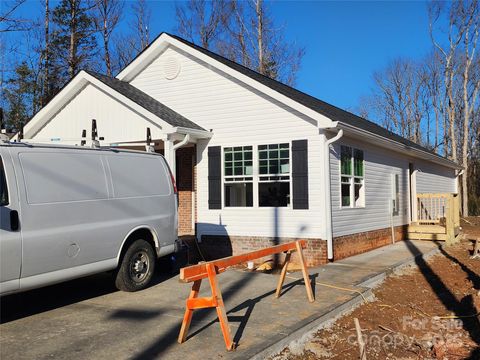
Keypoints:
(349, 245)
(214, 247)
(217, 246)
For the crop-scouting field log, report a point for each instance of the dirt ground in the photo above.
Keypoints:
(429, 312)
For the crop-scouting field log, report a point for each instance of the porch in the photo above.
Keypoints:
(437, 218)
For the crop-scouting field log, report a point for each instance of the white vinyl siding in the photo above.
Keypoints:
(433, 178)
(116, 122)
(238, 115)
(379, 165)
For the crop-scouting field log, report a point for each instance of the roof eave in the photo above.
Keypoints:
(399, 147)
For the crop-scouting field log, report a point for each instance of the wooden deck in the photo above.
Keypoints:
(438, 218)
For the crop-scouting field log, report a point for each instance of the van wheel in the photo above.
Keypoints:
(136, 268)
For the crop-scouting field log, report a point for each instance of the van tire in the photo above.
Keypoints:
(136, 268)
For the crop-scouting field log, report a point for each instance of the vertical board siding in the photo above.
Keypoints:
(379, 165)
(433, 178)
(115, 121)
(238, 115)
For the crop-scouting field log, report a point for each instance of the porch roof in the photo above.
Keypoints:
(147, 102)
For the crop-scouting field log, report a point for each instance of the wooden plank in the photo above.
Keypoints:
(222, 314)
(187, 317)
(450, 218)
(425, 236)
(431, 229)
(199, 271)
(283, 274)
(200, 303)
(306, 278)
(432, 195)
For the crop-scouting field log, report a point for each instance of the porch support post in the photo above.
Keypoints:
(413, 195)
(170, 154)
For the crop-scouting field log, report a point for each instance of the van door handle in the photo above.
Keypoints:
(14, 220)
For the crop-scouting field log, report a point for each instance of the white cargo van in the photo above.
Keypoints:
(67, 212)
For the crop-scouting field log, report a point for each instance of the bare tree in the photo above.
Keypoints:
(8, 20)
(244, 32)
(470, 89)
(108, 15)
(129, 45)
(141, 24)
(202, 22)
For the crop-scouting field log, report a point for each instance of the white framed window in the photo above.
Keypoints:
(395, 194)
(352, 182)
(274, 175)
(238, 176)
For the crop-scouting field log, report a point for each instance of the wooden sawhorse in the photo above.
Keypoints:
(211, 269)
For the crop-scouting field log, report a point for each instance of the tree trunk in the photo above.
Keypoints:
(108, 63)
(73, 28)
(261, 67)
(46, 75)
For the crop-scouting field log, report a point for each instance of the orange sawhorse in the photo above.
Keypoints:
(210, 270)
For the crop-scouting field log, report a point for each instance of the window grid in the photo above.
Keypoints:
(352, 169)
(238, 163)
(274, 162)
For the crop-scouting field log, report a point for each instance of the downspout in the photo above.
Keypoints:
(328, 199)
(173, 165)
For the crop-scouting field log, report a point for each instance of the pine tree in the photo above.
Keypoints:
(73, 40)
(20, 96)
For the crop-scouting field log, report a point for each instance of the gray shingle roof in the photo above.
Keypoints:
(146, 101)
(322, 107)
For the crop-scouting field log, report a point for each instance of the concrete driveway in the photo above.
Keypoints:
(88, 319)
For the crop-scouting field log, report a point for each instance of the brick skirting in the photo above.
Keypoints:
(349, 245)
(217, 246)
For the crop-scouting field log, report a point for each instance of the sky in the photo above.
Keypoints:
(345, 42)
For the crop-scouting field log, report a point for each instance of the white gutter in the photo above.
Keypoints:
(185, 140)
(328, 200)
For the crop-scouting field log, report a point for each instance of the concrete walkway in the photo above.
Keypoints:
(88, 319)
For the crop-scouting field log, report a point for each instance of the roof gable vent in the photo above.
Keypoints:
(171, 68)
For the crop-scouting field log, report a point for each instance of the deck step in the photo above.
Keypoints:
(426, 236)
(429, 229)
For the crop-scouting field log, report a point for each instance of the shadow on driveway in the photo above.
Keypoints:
(17, 306)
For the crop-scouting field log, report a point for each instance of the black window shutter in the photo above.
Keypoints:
(214, 177)
(300, 173)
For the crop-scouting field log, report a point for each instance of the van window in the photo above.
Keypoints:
(62, 177)
(134, 175)
(3, 186)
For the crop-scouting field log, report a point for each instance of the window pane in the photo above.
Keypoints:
(228, 156)
(346, 160)
(238, 156)
(228, 171)
(358, 162)
(263, 154)
(247, 155)
(3, 186)
(274, 194)
(284, 166)
(273, 166)
(284, 154)
(359, 195)
(248, 168)
(345, 194)
(238, 194)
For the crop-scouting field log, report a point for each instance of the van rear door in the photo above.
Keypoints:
(10, 239)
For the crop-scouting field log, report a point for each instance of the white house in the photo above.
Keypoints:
(256, 161)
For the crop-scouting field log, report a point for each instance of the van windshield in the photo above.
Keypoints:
(3, 186)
